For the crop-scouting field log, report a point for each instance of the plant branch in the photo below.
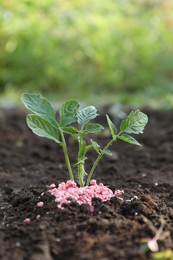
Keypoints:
(81, 158)
(98, 159)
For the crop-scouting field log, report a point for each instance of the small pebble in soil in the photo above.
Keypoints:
(133, 198)
(18, 244)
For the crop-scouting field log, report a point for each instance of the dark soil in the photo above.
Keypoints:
(116, 230)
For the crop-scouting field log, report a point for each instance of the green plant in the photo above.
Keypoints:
(43, 123)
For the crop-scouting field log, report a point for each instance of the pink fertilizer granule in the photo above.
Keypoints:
(68, 192)
(27, 220)
(38, 217)
(53, 185)
(40, 204)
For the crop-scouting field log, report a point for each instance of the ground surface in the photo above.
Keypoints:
(116, 230)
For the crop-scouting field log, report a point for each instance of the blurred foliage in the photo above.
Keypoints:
(80, 48)
(167, 254)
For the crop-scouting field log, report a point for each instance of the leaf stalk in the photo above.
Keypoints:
(98, 160)
(64, 147)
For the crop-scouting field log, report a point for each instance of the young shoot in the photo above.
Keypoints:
(43, 123)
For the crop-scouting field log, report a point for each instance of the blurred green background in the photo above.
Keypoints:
(101, 51)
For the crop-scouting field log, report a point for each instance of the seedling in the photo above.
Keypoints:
(43, 123)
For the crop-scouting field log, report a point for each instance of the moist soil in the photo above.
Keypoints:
(116, 229)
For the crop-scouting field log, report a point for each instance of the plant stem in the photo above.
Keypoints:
(64, 146)
(81, 159)
(80, 174)
(98, 159)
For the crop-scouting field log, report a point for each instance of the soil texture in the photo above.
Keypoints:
(116, 229)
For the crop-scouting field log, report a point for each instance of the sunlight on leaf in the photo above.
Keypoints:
(128, 139)
(112, 127)
(86, 114)
(40, 106)
(42, 127)
(134, 123)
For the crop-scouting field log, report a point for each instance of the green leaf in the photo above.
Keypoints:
(69, 130)
(96, 146)
(93, 128)
(107, 152)
(134, 123)
(68, 112)
(42, 127)
(69, 108)
(166, 254)
(40, 106)
(112, 127)
(86, 114)
(68, 120)
(128, 139)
